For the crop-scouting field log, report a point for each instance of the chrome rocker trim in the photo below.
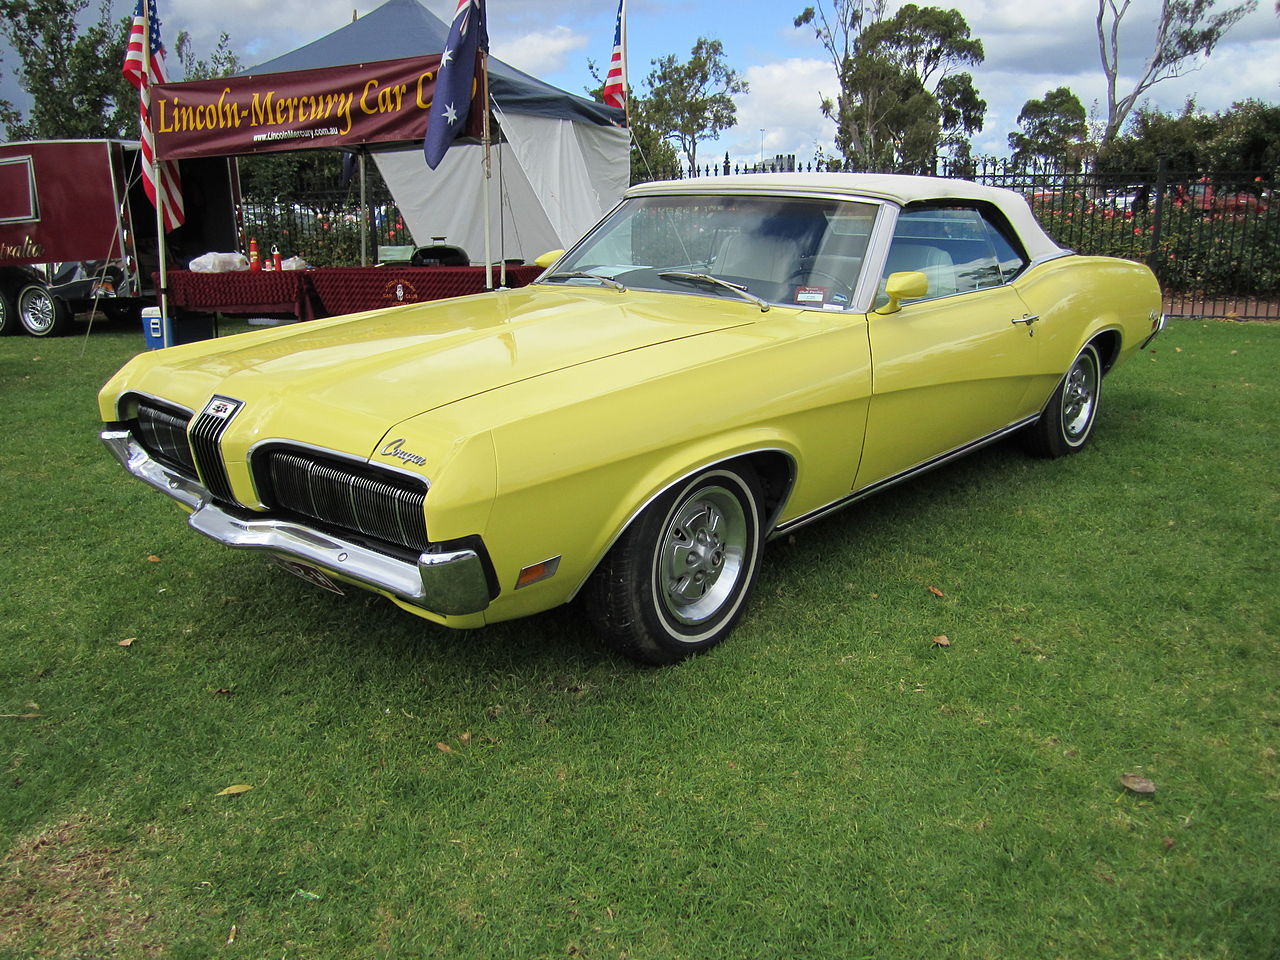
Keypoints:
(449, 583)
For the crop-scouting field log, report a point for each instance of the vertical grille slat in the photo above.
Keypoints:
(354, 497)
(162, 431)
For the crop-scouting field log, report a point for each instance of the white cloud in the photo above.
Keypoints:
(783, 100)
(541, 52)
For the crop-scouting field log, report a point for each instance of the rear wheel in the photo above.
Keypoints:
(1067, 422)
(677, 580)
(41, 313)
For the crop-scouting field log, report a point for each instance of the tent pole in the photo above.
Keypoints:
(502, 226)
(488, 170)
(364, 213)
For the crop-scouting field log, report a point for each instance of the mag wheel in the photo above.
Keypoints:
(677, 580)
(41, 313)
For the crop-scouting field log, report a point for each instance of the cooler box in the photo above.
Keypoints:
(187, 329)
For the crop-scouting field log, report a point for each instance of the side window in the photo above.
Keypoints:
(1011, 260)
(958, 248)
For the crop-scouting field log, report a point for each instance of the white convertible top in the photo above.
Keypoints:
(894, 188)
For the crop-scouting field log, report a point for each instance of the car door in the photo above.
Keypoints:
(955, 367)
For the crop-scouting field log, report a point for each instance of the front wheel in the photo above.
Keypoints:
(41, 313)
(677, 580)
(1066, 424)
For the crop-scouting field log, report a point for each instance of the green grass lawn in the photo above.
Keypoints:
(828, 783)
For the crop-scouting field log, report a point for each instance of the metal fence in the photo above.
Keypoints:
(1213, 239)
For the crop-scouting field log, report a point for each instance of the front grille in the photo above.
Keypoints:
(206, 436)
(162, 431)
(365, 500)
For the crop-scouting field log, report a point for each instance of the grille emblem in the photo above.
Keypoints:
(222, 408)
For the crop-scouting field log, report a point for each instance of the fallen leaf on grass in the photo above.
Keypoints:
(234, 789)
(936, 592)
(126, 642)
(941, 641)
(223, 691)
(444, 747)
(1137, 784)
(465, 738)
(152, 558)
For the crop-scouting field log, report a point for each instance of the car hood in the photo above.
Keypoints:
(342, 382)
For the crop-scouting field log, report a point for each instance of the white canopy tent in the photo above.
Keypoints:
(552, 180)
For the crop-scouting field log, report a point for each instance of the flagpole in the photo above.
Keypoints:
(626, 90)
(157, 179)
(488, 170)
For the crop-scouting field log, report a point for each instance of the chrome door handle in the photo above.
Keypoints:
(1026, 318)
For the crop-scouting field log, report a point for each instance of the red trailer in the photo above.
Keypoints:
(78, 232)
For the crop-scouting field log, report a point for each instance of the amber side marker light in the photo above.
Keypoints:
(537, 571)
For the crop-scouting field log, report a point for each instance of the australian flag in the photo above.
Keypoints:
(452, 100)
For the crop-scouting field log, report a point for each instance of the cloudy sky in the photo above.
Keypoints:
(1031, 46)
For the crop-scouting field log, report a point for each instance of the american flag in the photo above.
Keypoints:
(142, 70)
(615, 82)
(451, 102)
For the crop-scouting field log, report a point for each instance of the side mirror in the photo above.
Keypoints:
(548, 258)
(908, 285)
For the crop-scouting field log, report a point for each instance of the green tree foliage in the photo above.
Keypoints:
(692, 101)
(1243, 139)
(1052, 129)
(903, 95)
(74, 77)
(222, 62)
(652, 156)
(1185, 31)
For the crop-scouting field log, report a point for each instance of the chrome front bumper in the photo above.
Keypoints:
(449, 583)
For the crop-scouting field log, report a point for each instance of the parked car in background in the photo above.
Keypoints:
(1206, 196)
(718, 362)
(77, 231)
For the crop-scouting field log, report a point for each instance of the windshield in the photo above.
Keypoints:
(801, 252)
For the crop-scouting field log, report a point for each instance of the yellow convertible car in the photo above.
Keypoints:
(717, 362)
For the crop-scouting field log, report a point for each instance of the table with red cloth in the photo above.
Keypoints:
(328, 291)
(243, 292)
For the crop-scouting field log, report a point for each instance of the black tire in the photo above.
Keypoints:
(678, 578)
(1067, 421)
(8, 313)
(41, 313)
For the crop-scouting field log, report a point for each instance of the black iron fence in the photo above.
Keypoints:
(1213, 239)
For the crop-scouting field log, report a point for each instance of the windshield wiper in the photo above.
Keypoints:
(580, 275)
(707, 278)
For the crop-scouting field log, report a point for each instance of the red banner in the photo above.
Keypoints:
(384, 102)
